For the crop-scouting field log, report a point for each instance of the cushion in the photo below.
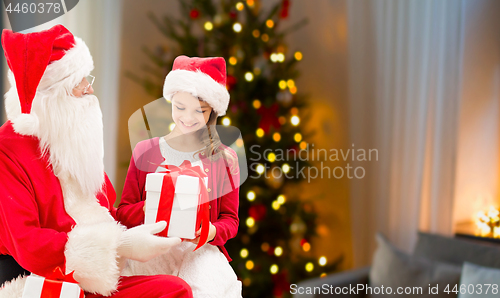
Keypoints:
(392, 269)
(475, 279)
(457, 251)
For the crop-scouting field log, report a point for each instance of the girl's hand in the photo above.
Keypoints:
(211, 235)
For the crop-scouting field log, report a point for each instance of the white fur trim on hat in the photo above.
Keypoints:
(199, 85)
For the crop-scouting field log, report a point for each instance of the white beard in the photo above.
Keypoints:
(71, 132)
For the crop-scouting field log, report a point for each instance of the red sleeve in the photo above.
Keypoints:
(20, 229)
(228, 221)
(130, 211)
(107, 197)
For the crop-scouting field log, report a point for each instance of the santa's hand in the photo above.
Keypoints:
(140, 243)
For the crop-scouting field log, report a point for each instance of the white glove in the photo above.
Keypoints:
(140, 244)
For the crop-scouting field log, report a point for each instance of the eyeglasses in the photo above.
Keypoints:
(90, 79)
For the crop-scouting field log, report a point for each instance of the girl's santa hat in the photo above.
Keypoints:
(201, 77)
(42, 61)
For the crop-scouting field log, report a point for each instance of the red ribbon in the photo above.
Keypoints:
(52, 285)
(167, 198)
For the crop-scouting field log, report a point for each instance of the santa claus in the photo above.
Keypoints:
(56, 202)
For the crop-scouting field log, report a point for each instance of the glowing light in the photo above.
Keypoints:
(280, 57)
(265, 37)
(271, 157)
(294, 111)
(171, 126)
(239, 143)
(290, 83)
(237, 27)
(247, 281)
(274, 57)
(259, 132)
(322, 275)
(251, 195)
(282, 120)
(276, 137)
(270, 23)
(322, 261)
(303, 145)
(282, 84)
(297, 137)
(306, 246)
(244, 253)
(293, 90)
(275, 205)
(295, 120)
(250, 222)
(226, 121)
(274, 269)
(281, 199)
(298, 56)
(278, 251)
(285, 167)
(309, 267)
(260, 169)
(249, 76)
(250, 2)
(209, 26)
(249, 264)
(233, 60)
(240, 6)
(256, 104)
(264, 247)
(256, 33)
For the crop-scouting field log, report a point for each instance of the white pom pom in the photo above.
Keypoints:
(26, 124)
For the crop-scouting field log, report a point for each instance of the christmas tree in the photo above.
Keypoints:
(273, 245)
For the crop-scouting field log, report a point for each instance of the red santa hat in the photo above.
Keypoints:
(202, 77)
(43, 60)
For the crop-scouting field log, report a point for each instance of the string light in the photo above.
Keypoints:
(309, 267)
(208, 26)
(298, 56)
(280, 57)
(293, 90)
(260, 169)
(278, 251)
(274, 269)
(295, 120)
(282, 120)
(240, 6)
(303, 145)
(285, 167)
(237, 27)
(250, 222)
(244, 253)
(264, 247)
(270, 23)
(259, 132)
(249, 264)
(322, 275)
(265, 37)
(322, 261)
(256, 33)
(297, 137)
(276, 137)
(249, 76)
(171, 126)
(282, 84)
(274, 57)
(233, 60)
(281, 199)
(251, 195)
(271, 157)
(275, 205)
(239, 143)
(250, 2)
(306, 246)
(226, 121)
(256, 104)
(294, 111)
(290, 83)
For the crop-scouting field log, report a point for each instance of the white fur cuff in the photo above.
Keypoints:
(91, 253)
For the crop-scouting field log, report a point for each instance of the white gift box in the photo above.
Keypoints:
(34, 285)
(184, 208)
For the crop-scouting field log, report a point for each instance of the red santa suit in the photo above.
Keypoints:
(58, 211)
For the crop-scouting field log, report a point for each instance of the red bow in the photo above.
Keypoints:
(52, 285)
(167, 197)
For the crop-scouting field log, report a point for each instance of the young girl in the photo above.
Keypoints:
(196, 88)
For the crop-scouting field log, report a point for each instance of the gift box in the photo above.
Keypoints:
(57, 285)
(184, 207)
